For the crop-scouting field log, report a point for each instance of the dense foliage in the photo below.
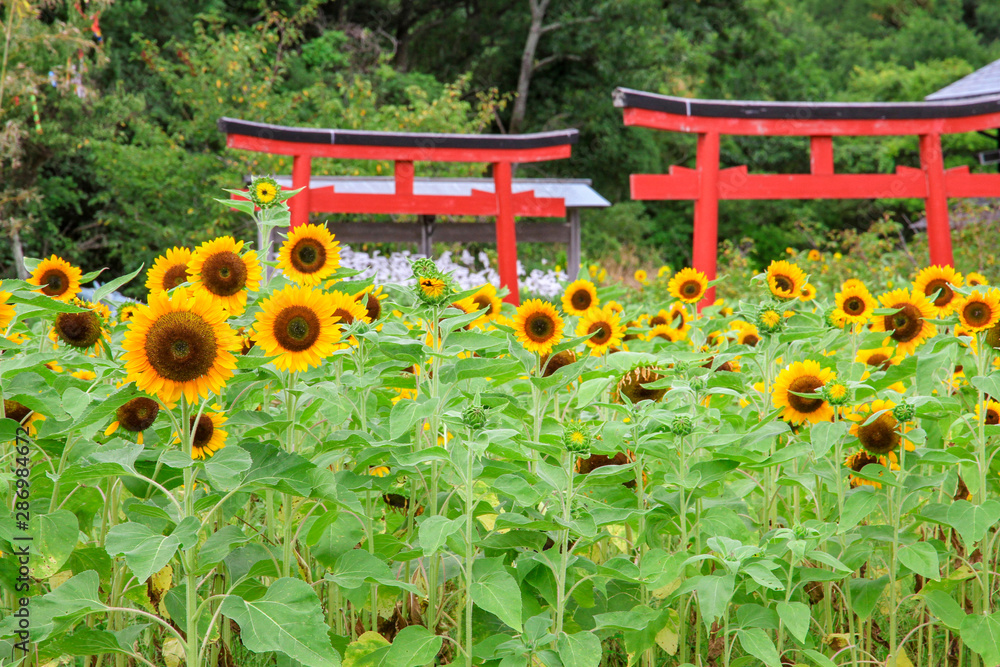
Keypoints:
(127, 146)
(307, 468)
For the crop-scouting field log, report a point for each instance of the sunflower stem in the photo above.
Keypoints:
(187, 557)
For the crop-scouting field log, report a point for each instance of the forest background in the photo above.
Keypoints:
(123, 157)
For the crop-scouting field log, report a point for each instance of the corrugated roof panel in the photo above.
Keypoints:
(984, 81)
(576, 193)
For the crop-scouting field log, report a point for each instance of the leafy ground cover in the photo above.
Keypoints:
(289, 464)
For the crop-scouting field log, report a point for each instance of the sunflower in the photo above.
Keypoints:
(180, 344)
(309, 255)
(882, 435)
(688, 285)
(979, 311)
(746, 334)
(909, 325)
(378, 471)
(538, 326)
(126, 312)
(879, 358)
(579, 297)
(207, 434)
(814, 255)
(855, 303)
(665, 332)
(974, 279)
(349, 311)
(218, 269)
(992, 412)
(6, 310)
(857, 462)
(486, 298)
(802, 377)
(264, 192)
(135, 416)
(940, 280)
(679, 318)
(605, 325)
(785, 279)
(808, 292)
(632, 385)
(23, 415)
(371, 298)
(550, 364)
(296, 325)
(662, 317)
(82, 330)
(58, 278)
(640, 276)
(169, 270)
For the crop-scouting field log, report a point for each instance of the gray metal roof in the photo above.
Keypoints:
(984, 81)
(575, 192)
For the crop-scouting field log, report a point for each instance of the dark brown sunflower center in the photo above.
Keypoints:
(374, 307)
(539, 327)
(992, 417)
(751, 340)
(807, 384)
(581, 299)
(861, 459)
(690, 289)
(296, 328)
(632, 385)
(181, 346)
(138, 414)
(946, 295)
(345, 317)
(203, 431)
(854, 305)
(784, 283)
(977, 313)
(678, 319)
(308, 256)
(879, 360)
(174, 276)
(602, 335)
(880, 437)
(483, 301)
(79, 329)
(224, 274)
(54, 282)
(906, 324)
(557, 361)
(657, 320)
(16, 411)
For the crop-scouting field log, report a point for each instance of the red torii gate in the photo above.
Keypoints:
(405, 148)
(706, 184)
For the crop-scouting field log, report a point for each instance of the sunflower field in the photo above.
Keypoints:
(280, 463)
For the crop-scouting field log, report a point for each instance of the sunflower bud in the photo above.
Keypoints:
(836, 393)
(433, 289)
(475, 417)
(834, 317)
(577, 438)
(904, 412)
(264, 192)
(423, 266)
(682, 425)
(769, 319)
